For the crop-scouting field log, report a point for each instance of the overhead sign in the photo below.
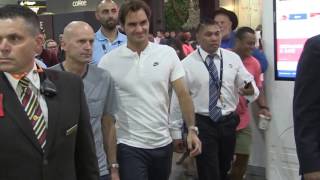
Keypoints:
(66, 6)
(80, 3)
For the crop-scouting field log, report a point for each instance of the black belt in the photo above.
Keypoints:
(222, 119)
(229, 116)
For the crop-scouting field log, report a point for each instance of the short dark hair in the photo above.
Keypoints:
(177, 45)
(205, 22)
(17, 11)
(242, 31)
(47, 42)
(133, 6)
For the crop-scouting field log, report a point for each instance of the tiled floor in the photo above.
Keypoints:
(178, 172)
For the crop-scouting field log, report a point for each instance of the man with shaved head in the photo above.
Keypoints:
(108, 36)
(78, 37)
(44, 121)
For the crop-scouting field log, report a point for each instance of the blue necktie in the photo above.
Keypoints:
(214, 88)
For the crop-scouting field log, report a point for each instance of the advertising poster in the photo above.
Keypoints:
(295, 22)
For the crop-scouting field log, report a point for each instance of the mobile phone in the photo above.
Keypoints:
(246, 84)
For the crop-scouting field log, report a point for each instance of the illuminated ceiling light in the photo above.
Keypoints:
(27, 3)
(35, 9)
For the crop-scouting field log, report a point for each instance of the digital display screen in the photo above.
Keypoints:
(295, 21)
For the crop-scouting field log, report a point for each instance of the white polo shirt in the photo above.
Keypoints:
(143, 83)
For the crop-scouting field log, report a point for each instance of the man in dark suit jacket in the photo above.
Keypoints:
(306, 110)
(68, 152)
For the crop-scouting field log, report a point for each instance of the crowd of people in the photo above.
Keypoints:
(112, 104)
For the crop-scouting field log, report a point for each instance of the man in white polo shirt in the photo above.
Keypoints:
(144, 73)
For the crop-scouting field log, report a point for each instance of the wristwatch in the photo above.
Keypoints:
(194, 128)
(114, 165)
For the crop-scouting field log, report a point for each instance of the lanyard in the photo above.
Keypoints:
(221, 69)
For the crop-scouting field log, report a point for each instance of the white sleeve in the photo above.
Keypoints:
(175, 118)
(244, 77)
(256, 93)
(177, 70)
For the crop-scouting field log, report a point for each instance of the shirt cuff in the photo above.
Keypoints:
(176, 134)
(254, 96)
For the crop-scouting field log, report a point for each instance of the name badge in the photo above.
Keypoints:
(72, 130)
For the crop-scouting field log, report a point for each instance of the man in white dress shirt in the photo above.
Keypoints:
(217, 133)
(144, 73)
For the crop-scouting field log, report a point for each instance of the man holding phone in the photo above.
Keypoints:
(215, 77)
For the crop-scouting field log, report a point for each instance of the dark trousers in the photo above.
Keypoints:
(218, 143)
(144, 164)
(105, 177)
